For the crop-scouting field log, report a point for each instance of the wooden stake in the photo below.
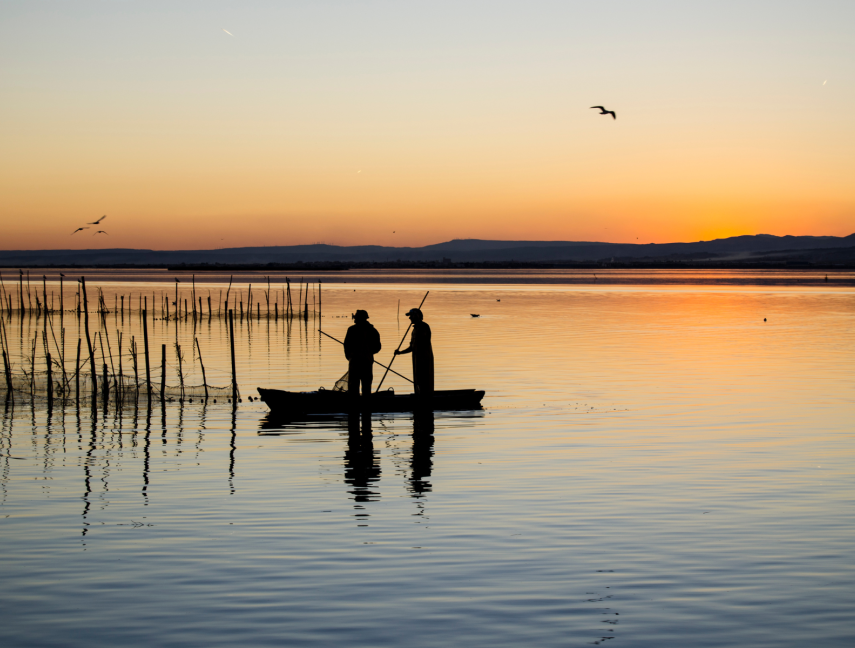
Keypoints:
(49, 381)
(162, 372)
(120, 385)
(134, 357)
(180, 369)
(88, 338)
(77, 373)
(147, 363)
(202, 364)
(105, 386)
(232, 344)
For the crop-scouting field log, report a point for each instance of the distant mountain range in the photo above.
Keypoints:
(761, 249)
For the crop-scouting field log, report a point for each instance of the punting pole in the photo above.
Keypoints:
(375, 362)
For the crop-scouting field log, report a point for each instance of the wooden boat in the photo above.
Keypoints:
(325, 401)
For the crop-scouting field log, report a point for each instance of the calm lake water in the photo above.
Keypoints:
(658, 463)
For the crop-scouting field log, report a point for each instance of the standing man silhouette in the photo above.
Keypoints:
(360, 344)
(422, 351)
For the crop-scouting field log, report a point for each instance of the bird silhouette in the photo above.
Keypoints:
(603, 111)
(99, 232)
(78, 229)
(97, 221)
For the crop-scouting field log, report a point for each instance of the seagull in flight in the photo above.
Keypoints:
(97, 221)
(78, 229)
(603, 111)
(99, 232)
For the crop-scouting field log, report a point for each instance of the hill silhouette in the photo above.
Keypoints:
(760, 248)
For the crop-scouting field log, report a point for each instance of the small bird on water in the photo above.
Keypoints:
(603, 111)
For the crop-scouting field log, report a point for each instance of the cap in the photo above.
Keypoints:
(360, 315)
(413, 311)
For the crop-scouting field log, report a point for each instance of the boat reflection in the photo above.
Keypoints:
(362, 459)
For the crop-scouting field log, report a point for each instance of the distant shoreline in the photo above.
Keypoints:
(428, 265)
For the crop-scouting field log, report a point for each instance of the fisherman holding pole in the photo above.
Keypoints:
(360, 344)
(420, 347)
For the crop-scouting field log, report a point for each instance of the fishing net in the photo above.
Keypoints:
(341, 383)
(124, 388)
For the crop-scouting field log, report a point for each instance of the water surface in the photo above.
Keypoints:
(654, 466)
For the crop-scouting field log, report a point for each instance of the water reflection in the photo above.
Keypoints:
(361, 463)
(421, 463)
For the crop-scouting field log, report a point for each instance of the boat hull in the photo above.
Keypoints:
(335, 402)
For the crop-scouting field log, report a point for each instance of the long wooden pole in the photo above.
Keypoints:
(375, 362)
(400, 343)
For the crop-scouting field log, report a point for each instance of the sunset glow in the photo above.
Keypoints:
(219, 125)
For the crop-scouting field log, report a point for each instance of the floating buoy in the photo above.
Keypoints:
(474, 315)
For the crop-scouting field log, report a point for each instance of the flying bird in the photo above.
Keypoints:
(603, 111)
(99, 232)
(97, 221)
(78, 229)
(228, 32)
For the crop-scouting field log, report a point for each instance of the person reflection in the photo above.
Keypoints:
(361, 461)
(422, 461)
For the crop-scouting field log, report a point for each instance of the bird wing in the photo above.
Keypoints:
(600, 107)
(612, 113)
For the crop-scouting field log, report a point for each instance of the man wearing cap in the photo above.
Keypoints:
(360, 344)
(422, 351)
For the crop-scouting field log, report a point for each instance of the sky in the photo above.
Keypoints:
(209, 124)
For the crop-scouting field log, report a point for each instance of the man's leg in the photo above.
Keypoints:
(353, 381)
(367, 379)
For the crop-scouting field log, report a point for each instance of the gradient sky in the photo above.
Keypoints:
(343, 121)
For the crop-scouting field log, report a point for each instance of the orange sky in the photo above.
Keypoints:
(344, 124)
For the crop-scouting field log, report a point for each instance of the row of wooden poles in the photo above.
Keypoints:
(110, 378)
(25, 295)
